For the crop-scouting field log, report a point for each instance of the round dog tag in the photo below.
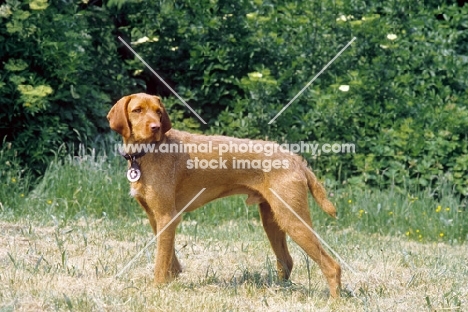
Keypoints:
(133, 174)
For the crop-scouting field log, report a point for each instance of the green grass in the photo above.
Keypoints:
(87, 185)
(399, 213)
(65, 237)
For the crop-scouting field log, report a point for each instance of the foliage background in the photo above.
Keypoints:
(238, 63)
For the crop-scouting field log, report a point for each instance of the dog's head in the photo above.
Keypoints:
(139, 118)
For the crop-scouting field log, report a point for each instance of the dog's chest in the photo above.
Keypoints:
(137, 190)
(133, 191)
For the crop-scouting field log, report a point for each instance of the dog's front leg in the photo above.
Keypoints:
(167, 266)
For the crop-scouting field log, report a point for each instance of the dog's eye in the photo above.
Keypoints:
(136, 110)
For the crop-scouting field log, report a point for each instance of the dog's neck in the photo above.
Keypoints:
(132, 157)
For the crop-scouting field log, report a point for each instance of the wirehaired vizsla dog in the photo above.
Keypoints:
(164, 180)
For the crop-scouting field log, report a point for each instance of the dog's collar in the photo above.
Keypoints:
(133, 173)
(132, 157)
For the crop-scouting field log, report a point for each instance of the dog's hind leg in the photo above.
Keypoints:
(277, 237)
(293, 225)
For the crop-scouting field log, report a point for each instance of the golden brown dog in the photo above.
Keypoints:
(171, 179)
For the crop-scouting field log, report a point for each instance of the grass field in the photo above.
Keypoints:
(62, 243)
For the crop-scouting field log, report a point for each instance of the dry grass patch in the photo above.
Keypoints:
(229, 267)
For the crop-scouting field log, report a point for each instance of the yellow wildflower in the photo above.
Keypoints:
(361, 212)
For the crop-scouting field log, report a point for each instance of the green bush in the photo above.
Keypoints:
(412, 119)
(58, 76)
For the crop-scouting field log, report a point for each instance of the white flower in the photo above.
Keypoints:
(344, 88)
(342, 18)
(384, 46)
(145, 39)
(5, 10)
(174, 48)
(391, 36)
(256, 75)
(141, 40)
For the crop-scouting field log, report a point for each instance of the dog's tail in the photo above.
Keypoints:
(319, 193)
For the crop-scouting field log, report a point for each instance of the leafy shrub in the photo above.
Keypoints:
(411, 93)
(50, 89)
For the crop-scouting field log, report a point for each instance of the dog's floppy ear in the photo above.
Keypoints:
(165, 121)
(118, 117)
